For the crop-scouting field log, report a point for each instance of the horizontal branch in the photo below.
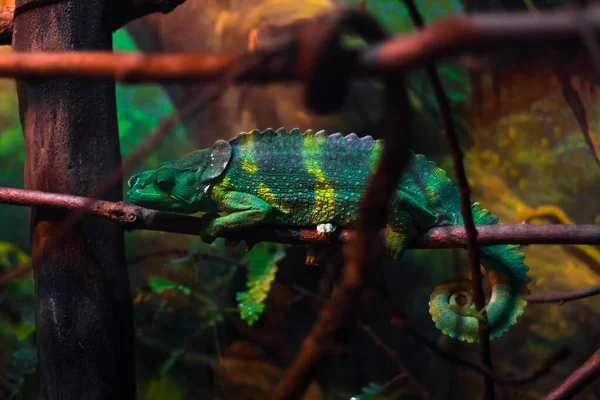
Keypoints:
(443, 39)
(122, 67)
(564, 297)
(451, 36)
(133, 217)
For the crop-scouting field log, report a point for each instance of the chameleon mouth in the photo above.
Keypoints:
(145, 199)
(159, 201)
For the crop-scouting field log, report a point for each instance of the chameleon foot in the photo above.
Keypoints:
(311, 257)
(326, 229)
(207, 233)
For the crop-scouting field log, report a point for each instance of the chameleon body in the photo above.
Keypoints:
(300, 179)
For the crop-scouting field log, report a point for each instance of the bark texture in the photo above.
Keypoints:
(83, 299)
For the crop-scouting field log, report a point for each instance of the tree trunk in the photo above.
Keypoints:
(83, 300)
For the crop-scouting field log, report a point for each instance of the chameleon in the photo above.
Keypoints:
(306, 179)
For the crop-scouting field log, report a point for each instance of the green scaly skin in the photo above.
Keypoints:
(306, 179)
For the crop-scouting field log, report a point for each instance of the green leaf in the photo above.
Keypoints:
(372, 389)
(24, 363)
(24, 331)
(170, 362)
(371, 392)
(262, 267)
(11, 257)
(159, 284)
(353, 42)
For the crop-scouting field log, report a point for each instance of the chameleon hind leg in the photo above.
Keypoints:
(244, 210)
(317, 254)
(397, 234)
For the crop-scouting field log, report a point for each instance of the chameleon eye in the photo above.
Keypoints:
(164, 179)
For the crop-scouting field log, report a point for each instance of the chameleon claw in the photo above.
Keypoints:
(311, 257)
(441, 219)
(326, 229)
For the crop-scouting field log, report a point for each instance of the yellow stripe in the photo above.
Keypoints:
(375, 155)
(248, 161)
(267, 195)
(324, 207)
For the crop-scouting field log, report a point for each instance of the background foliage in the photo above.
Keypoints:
(216, 319)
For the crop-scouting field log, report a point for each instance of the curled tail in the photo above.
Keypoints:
(451, 305)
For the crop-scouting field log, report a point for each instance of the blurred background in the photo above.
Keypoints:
(526, 159)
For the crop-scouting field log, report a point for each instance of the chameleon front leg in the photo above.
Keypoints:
(244, 210)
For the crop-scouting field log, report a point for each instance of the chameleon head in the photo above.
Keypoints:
(180, 185)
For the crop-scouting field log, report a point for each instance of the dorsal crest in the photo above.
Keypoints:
(350, 141)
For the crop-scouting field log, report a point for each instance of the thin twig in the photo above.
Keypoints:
(391, 354)
(15, 274)
(578, 380)
(588, 35)
(198, 255)
(465, 204)
(557, 356)
(563, 297)
(575, 102)
(386, 386)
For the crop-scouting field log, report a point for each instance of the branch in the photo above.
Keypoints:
(449, 37)
(564, 297)
(122, 67)
(123, 13)
(133, 217)
(578, 380)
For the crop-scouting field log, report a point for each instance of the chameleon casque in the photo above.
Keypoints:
(307, 179)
